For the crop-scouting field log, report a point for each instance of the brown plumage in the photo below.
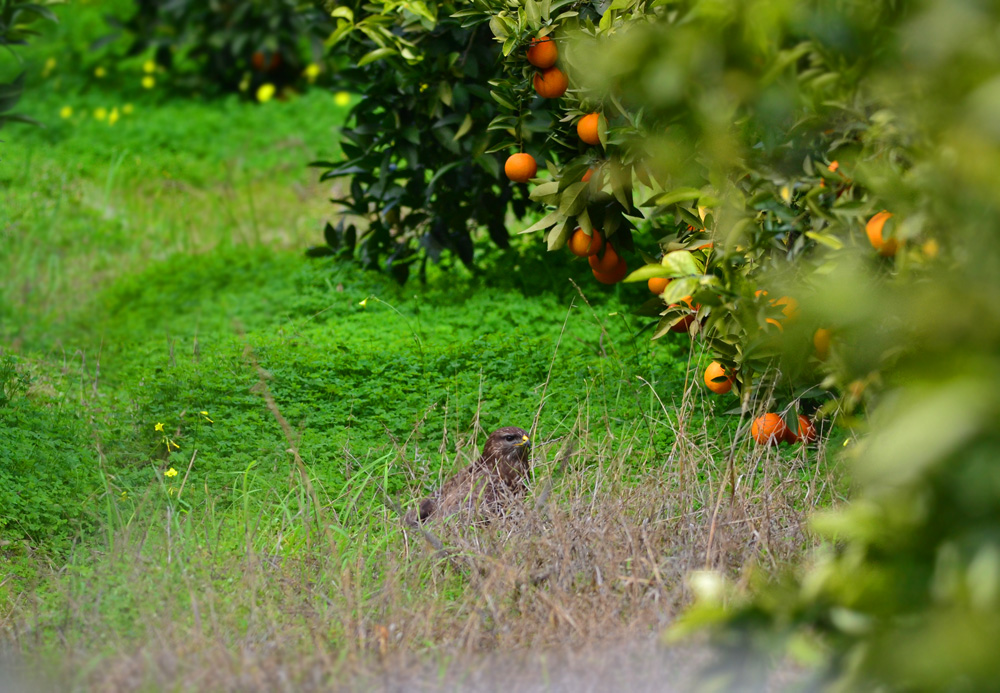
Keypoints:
(488, 484)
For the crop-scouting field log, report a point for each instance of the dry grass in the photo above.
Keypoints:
(569, 592)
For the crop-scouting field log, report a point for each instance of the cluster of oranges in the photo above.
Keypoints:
(608, 267)
(770, 429)
(550, 83)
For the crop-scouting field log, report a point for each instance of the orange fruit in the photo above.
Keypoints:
(685, 323)
(657, 284)
(543, 52)
(520, 167)
(805, 434)
(587, 176)
(885, 247)
(606, 263)
(768, 429)
(821, 340)
(582, 245)
(716, 370)
(551, 83)
(615, 275)
(263, 62)
(790, 307)
(586, 128)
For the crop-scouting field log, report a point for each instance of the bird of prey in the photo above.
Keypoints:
(486, 486)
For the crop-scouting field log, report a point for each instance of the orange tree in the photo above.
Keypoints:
(215, 47)
(425, 174)
(842, 159)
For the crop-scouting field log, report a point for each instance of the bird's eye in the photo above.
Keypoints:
(509, 439)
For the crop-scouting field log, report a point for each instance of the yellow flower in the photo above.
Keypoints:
(50, 65)
(265, 92)
(149, 67)
(66, 112)
(124, 495)
(311, 72)
(113, 116)
(158, 427)
(172, 444)
(100, 73)
(148, 82)
(170, 472)
(342, 98)
(101, 113)
(363, 303)
(127, 109)
(207, 417)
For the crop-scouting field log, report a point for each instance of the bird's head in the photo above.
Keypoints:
(509, 441)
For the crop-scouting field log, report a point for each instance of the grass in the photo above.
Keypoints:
(157, 277)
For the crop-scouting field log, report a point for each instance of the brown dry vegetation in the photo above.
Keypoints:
(570, 592)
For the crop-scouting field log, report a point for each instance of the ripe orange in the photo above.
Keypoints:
(607, 263)
(582, 245)
(263, 62)
(543, 52)
(821, 340)
(768, 429)
(551, 83)
(586, 128)
(716, 370)
(790, 307)
(805, 434)
(615, 275)
(885, 247)
(587, 176)
(657, 284)
(685, 323)
(520, 167)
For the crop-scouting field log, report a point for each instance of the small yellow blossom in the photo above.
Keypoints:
(172, 444)
(66, 112)
(931, 248)
(50, 65)
(124, 495)
(170, 491)
(148, 82)
(101, 113)
(423, 86)
(113, 116)
(786, 193)
(100, 73)
(311, 72)
(342, 98)
(207, 417)
(170, 473)
(363, 303)
(265, 92)
(158, 427)
(127, 109)
(149, 67)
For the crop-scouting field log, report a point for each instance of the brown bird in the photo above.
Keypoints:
(488, 484)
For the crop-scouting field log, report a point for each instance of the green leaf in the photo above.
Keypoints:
(573, 200)
(544, 223)
(376, 54)
(544, 190)
(464, 127)
(647, 272)
(679, 288)
(826, 239)
(679, 263)
(678, 195)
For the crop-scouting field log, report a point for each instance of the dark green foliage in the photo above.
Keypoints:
(17, 20)
(227, 46)
(424, 174)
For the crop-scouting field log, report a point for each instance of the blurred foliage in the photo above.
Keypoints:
(745, 108)
(424, 169)
(17, 25)
(225, 46)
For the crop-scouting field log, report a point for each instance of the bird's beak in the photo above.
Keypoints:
(525, 440)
